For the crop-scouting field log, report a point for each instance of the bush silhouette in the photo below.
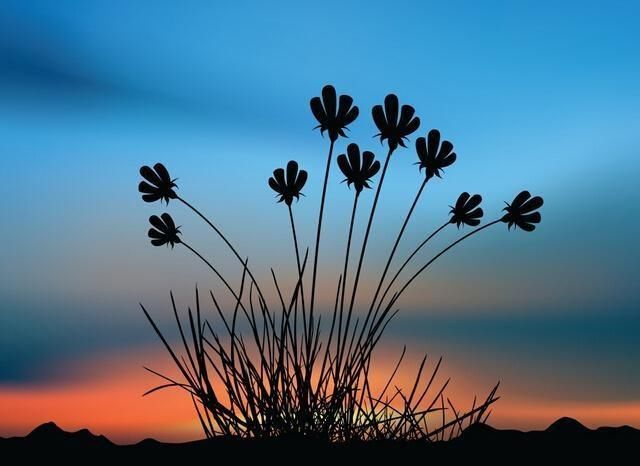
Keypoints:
(273, 370)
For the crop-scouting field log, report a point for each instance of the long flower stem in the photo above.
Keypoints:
(317, 249)
(406, 262)
(344, 275)
(295, 244)
(227, 242)
(368, 230)
(395, 245)
(434, 258)
(218, 274)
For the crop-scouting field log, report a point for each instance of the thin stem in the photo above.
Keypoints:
(295, 244)
(227, 242)
(295, 237)
(226, 283)
(317, 249)
(415, 275)
(344, 273)
(366, 235)
(395, 246)
(406, 262)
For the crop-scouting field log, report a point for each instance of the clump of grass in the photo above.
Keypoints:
(259, 370)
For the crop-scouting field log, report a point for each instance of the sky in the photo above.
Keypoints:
(538, 95)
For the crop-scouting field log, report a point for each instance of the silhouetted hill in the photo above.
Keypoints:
(566, 438)
(49, 433)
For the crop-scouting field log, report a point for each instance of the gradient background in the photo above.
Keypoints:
(537, 95)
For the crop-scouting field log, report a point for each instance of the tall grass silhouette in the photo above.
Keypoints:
(261, 370)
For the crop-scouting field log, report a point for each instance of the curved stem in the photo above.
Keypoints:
(415, 275)
(219, 275)
(395, 246)
(317, 249)
(227, 242)
(406, 262)
(366, 235)
(375, 325)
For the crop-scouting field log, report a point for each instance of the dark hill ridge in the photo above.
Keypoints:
(50, 433)
(565, 438)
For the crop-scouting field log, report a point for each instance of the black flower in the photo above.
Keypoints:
(392, 129)
(466, 210)
(158, 184)
(521, 211)
(290, 187)
(164, 230)
(357, 172)
(433, 155)
(331, 118)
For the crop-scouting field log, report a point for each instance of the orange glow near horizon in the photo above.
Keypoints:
(109, 401)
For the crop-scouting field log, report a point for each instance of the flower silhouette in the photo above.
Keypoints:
(521, 211)
(333, 119)
(357, 172)
(466, 210)
(290, 187)
(393, 130)
(433, 155)
(158, 184)
(164, 230)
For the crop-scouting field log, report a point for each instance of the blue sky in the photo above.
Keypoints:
(535, 95)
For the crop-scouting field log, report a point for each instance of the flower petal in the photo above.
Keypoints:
(344, 105)
(474, 202)
(531, 205)
(434, 142)
(350, 116)
(292, 172)
(318, 110)
(162, 172)
(353, 151)
(520, 199)
(407, 113)
(149, 175)
(166, 218)
(379, 118)
(159, 224)
(445, 149)
(278, 174)
(329, 101)
(302, 179)
(421, 149)
(412, 126)
(462, 200)
(391, 109)
(526, 226)
(532, 218)
(345, 168)
(151, 197)
(275, 186)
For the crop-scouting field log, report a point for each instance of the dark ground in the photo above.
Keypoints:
(565, 441)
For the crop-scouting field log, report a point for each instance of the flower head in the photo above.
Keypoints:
(289, 187)
(466, 210)
(333, 119)
(164, 230)
(358, 172)
(433, 155)
(158, 184)
(394, 130)
(521, 211)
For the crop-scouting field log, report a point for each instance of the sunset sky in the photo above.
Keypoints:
(540, 95)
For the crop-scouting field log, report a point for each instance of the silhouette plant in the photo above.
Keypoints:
(262, 369)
